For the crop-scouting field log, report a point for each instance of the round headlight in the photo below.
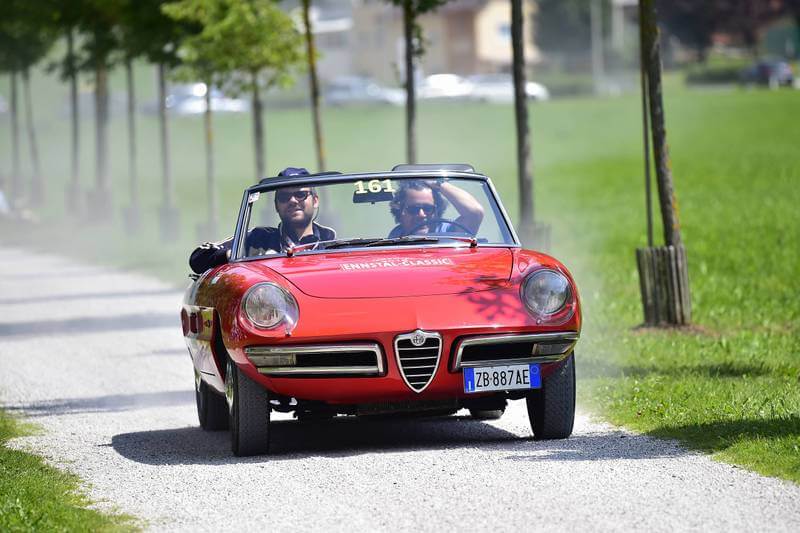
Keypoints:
(545, 292)
(266, 305)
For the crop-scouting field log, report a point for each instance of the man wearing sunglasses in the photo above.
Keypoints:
(418, 207)
(296, 207)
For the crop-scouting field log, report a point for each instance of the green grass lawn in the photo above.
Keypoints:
(38, 497)
(730, 385)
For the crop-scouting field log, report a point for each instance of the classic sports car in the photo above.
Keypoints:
(401, 291)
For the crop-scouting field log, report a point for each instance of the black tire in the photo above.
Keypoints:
(248, 407)
(551, 409)
(486, 414)
(212, 409)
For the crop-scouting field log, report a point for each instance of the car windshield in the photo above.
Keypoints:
(371, 211)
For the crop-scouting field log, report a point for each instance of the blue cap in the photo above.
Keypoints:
(293, 171)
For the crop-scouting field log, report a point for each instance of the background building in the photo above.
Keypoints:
(462, 37)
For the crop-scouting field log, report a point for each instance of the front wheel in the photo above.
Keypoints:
(551, 409)
(248, 408)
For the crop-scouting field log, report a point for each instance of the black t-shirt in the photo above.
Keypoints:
(260, 241)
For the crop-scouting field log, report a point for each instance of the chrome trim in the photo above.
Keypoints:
(238, 242)
(253, 352)
(570, 337)
(503, 213)
(408, 336)
(315, 370)
(372, 249)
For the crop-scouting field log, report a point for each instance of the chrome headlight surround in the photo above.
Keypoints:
(267, 305)
(548, 296)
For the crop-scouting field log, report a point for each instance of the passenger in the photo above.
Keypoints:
(296, 207)
(419, 205)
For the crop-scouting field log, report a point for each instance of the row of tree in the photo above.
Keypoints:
(695, 23)
(246, 46)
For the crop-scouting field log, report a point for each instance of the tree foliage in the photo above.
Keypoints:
(254, 37)
(694, 23)
(26, 34)
(148, 31)
(99, 24)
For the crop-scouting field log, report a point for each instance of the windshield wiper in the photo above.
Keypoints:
(473, 241)
(293, 249)
(379, 241)
(349, 242)
(408, 239)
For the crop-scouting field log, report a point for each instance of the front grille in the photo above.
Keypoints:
(418, 362)
(325, 359)
(513, 349)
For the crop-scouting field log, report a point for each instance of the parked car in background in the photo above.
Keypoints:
(444, 86)
(773, 73)
(190, 99)
(499, 88)
(350, 90)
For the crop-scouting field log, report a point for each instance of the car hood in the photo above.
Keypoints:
(394, 273)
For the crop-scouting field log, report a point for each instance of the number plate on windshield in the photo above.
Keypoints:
(493, 378)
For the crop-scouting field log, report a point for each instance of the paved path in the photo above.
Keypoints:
(95, 356)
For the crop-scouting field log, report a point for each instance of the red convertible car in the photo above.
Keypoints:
(376, 293)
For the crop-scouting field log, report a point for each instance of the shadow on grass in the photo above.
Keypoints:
(727, 369)
(718, 436)
(347, 436)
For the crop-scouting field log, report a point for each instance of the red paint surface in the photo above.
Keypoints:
(453, 291)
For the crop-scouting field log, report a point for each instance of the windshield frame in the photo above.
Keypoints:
(269, 184)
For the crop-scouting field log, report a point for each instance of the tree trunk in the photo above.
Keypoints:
(524, 175)
(258, 128)
(37, 191)
(596, 31)
(73, 189)
(166, 174)
(133, 171)
(212, 197)
(16, 178)
(409, 19)
(101, 127)
(663, 272)
(314, 85)
(652, 57)
(648, 194)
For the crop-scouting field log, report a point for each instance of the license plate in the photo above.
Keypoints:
(494, 378)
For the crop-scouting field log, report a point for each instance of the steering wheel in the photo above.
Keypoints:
(430, 223)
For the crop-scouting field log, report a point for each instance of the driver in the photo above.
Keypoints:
(419, 205)
(296, 207)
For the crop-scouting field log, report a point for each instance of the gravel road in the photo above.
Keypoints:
(95, 357)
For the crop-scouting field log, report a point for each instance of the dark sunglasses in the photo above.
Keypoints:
(284, 196)
(413, 209)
